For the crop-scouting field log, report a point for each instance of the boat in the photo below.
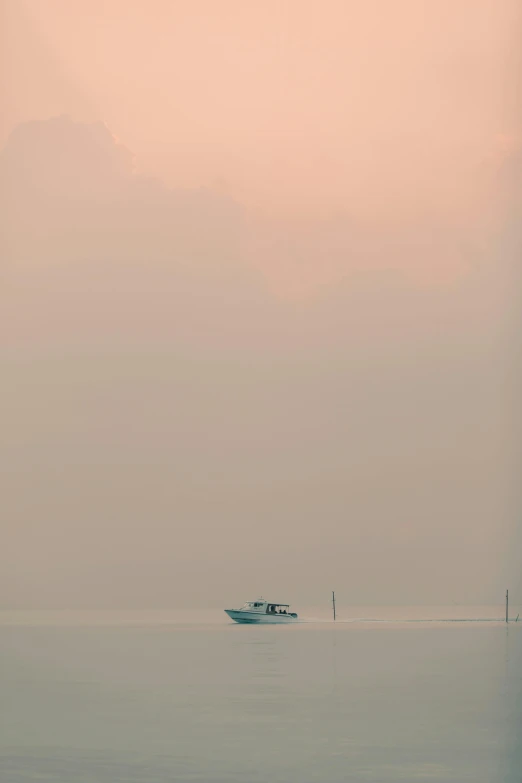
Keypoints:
(262, 611)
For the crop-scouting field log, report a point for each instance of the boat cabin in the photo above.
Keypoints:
(265, 607)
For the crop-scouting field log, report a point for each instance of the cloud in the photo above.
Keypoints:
(60, 177)
(59, 154)
(94, 252)
(84, 235)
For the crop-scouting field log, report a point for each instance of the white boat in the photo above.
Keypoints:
(262, 611)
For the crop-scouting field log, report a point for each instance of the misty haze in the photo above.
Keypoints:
(260, 333)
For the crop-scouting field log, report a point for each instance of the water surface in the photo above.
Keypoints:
(384, 695)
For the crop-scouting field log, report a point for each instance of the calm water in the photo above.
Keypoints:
(153, 698)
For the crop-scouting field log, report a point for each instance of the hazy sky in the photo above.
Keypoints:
(259, 301)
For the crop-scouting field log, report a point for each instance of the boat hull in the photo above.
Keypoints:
(260, 618)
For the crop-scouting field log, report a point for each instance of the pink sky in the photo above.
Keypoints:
(308, 324)
(397, 115)
(296, 106)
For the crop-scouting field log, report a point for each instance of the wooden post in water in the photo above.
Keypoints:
(333, 603)
(507, 606)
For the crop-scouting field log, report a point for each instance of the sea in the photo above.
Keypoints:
(383, 694)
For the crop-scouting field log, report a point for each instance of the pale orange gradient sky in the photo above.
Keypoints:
(295, 106)
(304, 333)
(395, 114)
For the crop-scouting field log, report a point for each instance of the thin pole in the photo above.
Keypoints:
(507, 605)
(333, 603)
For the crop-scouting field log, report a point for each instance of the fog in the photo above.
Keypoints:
(260, 303)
